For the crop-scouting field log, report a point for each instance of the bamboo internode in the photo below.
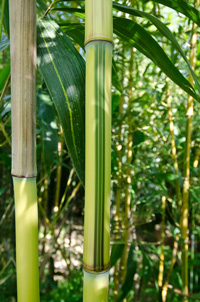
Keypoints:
(26, 219)
(23, 87)
(98, 20)
(23, 94)
(98, 152)
(96, 255)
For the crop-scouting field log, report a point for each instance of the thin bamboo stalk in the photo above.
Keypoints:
(128, 172)
(4, 89)
(192, 235)
(162, 255)
(186, 172)
(119, 184)
(23, 90)
(174, 151)
(174, 254)
(3, 130)
(196, 160)
(98, 40)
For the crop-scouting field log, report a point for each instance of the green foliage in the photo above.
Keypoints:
(116, 253)
(183, 7)
(48, 128)
(134, 34)
(71, 290)
(4, 73)
(164, 30)
(4, 44)
(63, 70)
(130, 272)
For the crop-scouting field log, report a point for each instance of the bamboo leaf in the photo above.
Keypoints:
(182, 7)
(4, 73)
(76, 31)
(115, 77)
(4, 43)
(164, 31)
(6, 18)
(41, 5)
(48, 128)
(63, 70)
(116, 252)
(130, 272)
(136, 36)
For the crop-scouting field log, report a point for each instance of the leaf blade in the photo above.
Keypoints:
(63, 70)
(135, 35)
(164, 30)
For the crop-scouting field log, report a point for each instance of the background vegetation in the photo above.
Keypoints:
(150, 115)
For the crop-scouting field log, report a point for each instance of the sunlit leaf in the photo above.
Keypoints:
(136, 36)
(116, 252)
(48, 126)
(164, 30)
(63, 70)
(4, 73)
(183, 7)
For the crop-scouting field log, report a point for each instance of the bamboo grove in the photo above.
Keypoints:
(99, 158)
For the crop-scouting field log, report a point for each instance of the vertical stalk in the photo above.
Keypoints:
(174, 254)
(59, 172)
(162, 255)
(192, 234)
(186, 172)
(128, 171)
(174, 152)
(98, 41)
(119, 183)
(23, 89)
(196, 160)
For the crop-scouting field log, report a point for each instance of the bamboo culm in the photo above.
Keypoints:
(96, 253)
(23, 102)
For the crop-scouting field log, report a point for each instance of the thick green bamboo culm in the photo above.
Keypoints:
(96, 254)
(23, 94)
(98, 126)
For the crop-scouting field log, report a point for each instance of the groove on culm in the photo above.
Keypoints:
(100, 154)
